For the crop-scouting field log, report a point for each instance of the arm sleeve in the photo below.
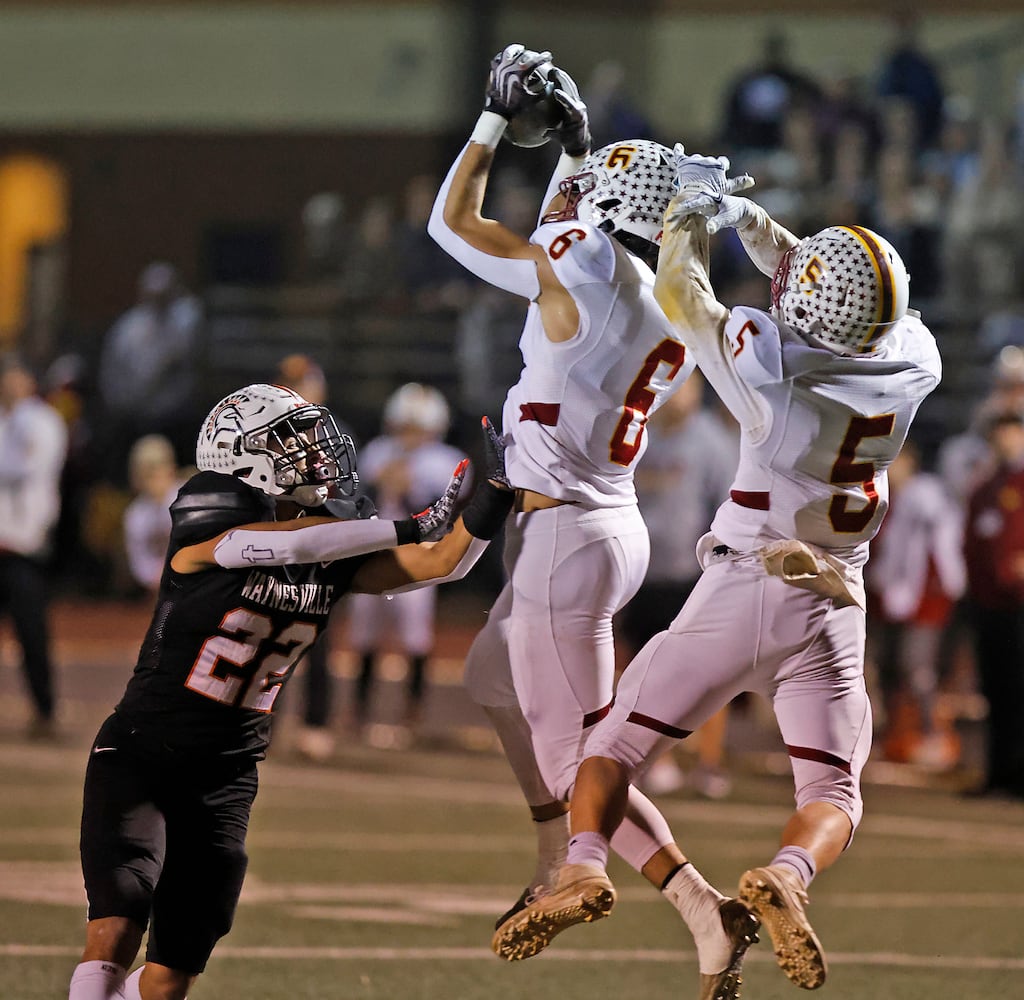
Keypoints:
(516, 276)
(766, 242)
(466, 563)
(240, 548)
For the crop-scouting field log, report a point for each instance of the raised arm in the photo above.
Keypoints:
(457, 224)
(683, 289)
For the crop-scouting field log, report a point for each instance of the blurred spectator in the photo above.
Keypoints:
(155, 480)
(404, 469)
(994, 550)
(982, 243)
(33, 446)
(965, 459)
(370, 274)
(614, 115)
(758, 101)
(432, 281)
(685, 474)
(907, 72)
(147, 368)
(324, 235)
(915, 576)
(65, 388)
(909, 215)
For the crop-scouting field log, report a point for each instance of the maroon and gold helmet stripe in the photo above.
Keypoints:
(885, 311)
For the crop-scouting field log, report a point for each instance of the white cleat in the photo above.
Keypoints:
(740, 925)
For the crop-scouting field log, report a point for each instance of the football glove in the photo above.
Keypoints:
(574, 131)
(729, 213)
(506, 92)
(436, 521)
(706, 175)
(494, 455)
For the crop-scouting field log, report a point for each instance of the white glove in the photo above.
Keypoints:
(698, 174)
(728, 213)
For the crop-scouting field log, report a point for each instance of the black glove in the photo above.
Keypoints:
(574, 131)
(492, 500)
(507, 90)
(494, 455)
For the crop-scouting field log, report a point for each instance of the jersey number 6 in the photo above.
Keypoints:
(640, 397)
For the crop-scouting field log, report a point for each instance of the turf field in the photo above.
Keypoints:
(378, 876)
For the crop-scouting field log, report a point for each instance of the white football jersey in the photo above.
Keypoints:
(574, 422)
(818, 473)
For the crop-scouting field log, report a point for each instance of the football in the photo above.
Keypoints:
(532, 126)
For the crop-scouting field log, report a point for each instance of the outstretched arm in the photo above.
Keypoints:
(683, 289)
(318, 539)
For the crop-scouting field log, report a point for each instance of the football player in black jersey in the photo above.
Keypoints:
(260, 551)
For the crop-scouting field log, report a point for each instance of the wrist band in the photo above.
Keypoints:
(489, 129)
(487, 510)
(407, 531)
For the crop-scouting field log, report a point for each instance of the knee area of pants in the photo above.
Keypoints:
(632, 758)
(844, 795)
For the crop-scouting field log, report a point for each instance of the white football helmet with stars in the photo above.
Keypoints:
(271, 438)
(623, 189)
(844, 288)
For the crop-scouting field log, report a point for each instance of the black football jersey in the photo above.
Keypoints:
(223, 642)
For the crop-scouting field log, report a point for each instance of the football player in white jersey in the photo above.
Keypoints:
(600, 357)
(824, 389)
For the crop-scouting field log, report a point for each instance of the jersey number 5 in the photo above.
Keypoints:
(640, 397)
(246, 664)
(847, 471)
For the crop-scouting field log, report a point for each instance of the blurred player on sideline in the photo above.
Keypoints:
(599, 359)
(402, 469)
(153, 475)
(260, 552)
(824, 389)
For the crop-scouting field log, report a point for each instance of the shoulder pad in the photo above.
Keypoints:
(756, 346)
(210, 503)
(578, 253)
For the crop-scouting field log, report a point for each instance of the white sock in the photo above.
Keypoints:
(552, 845)
(797, 860)
(588, 848)
(697, 902)
(96, 981)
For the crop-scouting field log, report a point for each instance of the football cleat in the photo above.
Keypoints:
(778, 899)
(740, 925)
(582, 894)
(526, 897)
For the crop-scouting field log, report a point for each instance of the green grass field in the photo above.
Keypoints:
(378, 878)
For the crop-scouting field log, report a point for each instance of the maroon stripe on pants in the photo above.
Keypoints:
(821, 756)
(753, 501)
(659, 727)
(593, 718)
(543, 413)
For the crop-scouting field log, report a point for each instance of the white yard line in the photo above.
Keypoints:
(875, 959)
